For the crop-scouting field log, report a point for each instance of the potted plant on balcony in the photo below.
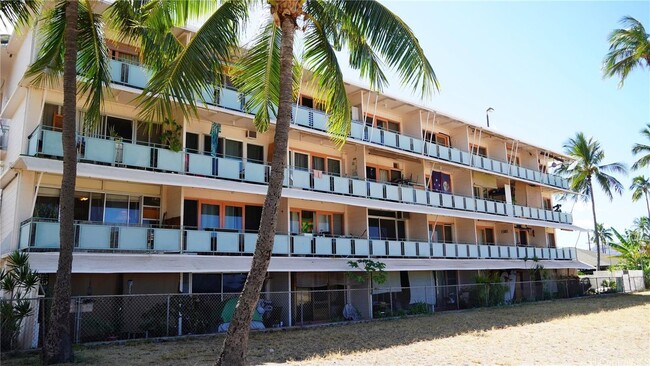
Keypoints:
(171, 135)
(307, 228)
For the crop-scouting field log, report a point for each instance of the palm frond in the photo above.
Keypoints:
(18, 13)
(47, 69)
(629, 48)
(640, 187)
(92, 63)
(391, 38)
(198, 68)
(608, 183)
(320, 59)
(257, 75)
(639, 148)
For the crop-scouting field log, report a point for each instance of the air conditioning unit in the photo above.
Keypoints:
(251, 134)
(355, 113)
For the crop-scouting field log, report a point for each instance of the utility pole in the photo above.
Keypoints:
(487, 115)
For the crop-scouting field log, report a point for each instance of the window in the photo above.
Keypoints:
(207, 145)
(300, 161)
(190, 212)
(325, 223)
(52, 116)
(479, 150)
(210, 216)
(485, 235)
(334, 167)
(310, 102)
(387, 226)
(81, 206)
(437, 138)
(117, 209)
(442, 233)
(233, 282)
(151, 210)
(252, 217)
(96, 207)
(318, 163)
(440, 182)
(206, 283)
(148, 133)
(255, 153)
(522, 237)
(550, 239)
(233, 218)
(294, 222)
(383, 174)
(47, 204)
(125, 57)
(234, 149)
(547, 203)
(119, 128)
(191, 142)
(481, 192)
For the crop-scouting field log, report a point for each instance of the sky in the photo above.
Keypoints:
(538, 64)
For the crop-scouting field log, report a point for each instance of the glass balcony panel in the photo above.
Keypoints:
(132, 238)
(376, 190)
(94, 236)
(167, 239)
(392, 192)
(556, 216)
(343, 246)
(322, 183)
(404, 142)
(281, 244)
(323, 245)
(447, 200)
(470, 204)
(356, 132)
(100, 150)
(546, 253)
(537, 177)
(302, 244)
(497, 166)
(459, 202)
(116, 71)
(481, 205)
(375, 135)
(198, 241)
(530, 252)
(254, 172)
(443, 152)
(361, 247)
(432, 149)
(359, 188)
(250, 241)
(394, 248)
(421, 197)
(466, 158)
(509, 210)
(521, 252)
(138, 76)
(530, 174)
(341, 185)
(228, 168)
(417, 146)
(410, 249)
(46, 235)
(199, 164)
(319, 120)
(300, 179)
(407, 194)
(25, 230)
(483, 251)
(390, 139)
(424, 249)
(455, 155)
(504, 251)
(301, 116)
(487, 163)
(32, 146)
(170, 160)
(227, 242)
(438, 249)
(473, 250)
(230, 99)
(136, 155)
(379, 248)
(52, 144)
(491, 207)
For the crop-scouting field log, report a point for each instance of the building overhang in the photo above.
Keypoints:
(46, 262)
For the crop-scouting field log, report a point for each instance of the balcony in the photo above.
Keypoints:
(136, 76)
(47, 143)
(44, 235)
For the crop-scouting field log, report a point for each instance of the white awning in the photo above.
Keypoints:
(177, 263)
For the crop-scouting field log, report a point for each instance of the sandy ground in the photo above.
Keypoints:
(612, 330)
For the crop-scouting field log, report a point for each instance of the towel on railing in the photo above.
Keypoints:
(318, 174)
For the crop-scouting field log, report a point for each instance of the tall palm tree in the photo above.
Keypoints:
(640, 148)
(267, 73)
(629, 48)
(585, 167)
(640, 188)
(72, 43)
(604, 234)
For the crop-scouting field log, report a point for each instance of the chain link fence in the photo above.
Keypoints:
(120, 317)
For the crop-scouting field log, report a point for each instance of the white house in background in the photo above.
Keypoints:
(435, 198)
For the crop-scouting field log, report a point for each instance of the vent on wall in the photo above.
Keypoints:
(397, 165)
(251, 134)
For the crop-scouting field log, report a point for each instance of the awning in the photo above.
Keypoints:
(177, 263)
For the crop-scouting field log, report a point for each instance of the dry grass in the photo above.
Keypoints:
(596, 330)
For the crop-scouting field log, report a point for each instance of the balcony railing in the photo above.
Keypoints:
(37, 234)
(136, 76)
(47, 142)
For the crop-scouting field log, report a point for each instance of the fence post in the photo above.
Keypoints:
(302, 310)
(566, 287)
(390, 297)
(457, 297)
(77, 330)
(167, 316)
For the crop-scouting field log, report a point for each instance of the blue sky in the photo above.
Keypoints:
(538, 64)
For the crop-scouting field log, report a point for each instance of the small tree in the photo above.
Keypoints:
(373, 270)
(16, 284)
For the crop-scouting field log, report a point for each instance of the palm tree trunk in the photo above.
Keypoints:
(596, 236)
(647, 203)
(236, 343)
(58, 343)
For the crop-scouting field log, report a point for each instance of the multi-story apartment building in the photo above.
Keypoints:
(435, 198)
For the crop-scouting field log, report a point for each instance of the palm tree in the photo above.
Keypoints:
(72, 43)
(267, 73)
(604, 234)
(639, 148)
(585, 167)
(640, 188)
(629, 48)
